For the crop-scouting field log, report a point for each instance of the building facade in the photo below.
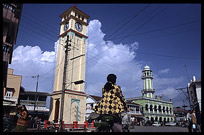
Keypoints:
(73, 28)
(154, 108)
(11, 20)
(11, 92)
(91, 101)
(194, 88)
(136, 110)
(180, 114)
(27, 98)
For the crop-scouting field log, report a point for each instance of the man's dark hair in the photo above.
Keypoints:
(111, 78)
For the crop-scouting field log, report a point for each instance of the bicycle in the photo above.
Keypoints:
(40, 126)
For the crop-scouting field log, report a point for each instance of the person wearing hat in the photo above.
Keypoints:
(112, 102)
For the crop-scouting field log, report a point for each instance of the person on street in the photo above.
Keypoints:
(132, 122)
(112, 103)
(198, 116)
(5, 123)
(194, 121)
(22, 124)
(189, 121)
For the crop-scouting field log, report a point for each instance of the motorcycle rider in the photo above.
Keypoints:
(112, 103)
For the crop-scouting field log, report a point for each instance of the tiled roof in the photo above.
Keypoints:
(96, 98)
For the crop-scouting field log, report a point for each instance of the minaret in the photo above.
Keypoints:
(70, 83)
(148, 90)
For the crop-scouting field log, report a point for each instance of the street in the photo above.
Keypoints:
(137, 129)
(158, 129)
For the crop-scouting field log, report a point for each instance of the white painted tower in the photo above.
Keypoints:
(148, 90)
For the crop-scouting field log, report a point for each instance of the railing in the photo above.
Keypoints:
(31, 102)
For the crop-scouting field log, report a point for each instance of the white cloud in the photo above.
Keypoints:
(113, 58)
(162, 82)
(168, 92)
(30, 61)
(164, 71)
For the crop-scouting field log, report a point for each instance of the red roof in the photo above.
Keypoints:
(75, 8)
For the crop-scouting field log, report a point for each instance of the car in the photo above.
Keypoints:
(170, 124)
(148, 123)
(156, 124)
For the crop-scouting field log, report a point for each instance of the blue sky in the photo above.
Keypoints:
(164, 36)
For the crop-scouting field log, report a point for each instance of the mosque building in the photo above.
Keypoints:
(154, 108)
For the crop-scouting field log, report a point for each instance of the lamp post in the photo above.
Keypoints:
(36, 91)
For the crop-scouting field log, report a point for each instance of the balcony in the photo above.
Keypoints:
(32, 102)
(147, 76)
(145, 91)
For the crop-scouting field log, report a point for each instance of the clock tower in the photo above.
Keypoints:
(70, 68)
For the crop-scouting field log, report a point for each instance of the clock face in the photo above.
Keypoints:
(78, 26)
(66, 26)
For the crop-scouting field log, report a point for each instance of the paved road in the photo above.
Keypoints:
(137, 129)
(158, 129)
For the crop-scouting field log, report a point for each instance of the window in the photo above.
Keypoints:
(167, 109)
(155, 108)
(151, 108)
(92, 106)
(8, 94)
(159, 108)
(146, 107)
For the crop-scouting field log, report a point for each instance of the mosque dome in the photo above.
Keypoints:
(146, 67)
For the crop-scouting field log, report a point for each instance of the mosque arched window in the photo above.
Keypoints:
(146, 107)
(163, 109)
(151, 108)
(159, 108)
(155, 108)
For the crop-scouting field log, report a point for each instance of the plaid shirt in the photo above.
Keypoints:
(112, 102)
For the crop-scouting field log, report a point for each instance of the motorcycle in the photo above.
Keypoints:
(105, 123)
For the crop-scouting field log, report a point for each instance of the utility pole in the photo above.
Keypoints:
(36, 91)
(64, 80)
(187, 96)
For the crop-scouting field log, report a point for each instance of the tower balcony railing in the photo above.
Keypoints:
(147, 76)
(148, 90)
